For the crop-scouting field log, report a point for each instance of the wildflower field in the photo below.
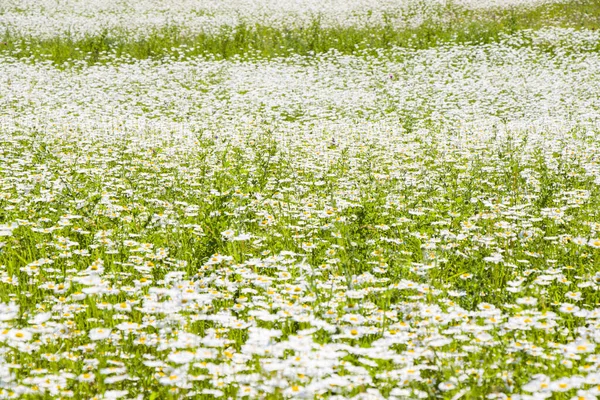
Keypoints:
(311, 199)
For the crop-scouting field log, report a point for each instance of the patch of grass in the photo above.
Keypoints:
(460, 25)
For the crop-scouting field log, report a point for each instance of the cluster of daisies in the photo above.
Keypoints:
(416, 224)
(84, 18)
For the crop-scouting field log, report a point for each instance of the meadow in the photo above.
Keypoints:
(300, 200)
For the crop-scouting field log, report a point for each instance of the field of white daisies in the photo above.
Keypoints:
(300, 199)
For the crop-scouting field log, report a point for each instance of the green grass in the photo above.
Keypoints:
(460, 26)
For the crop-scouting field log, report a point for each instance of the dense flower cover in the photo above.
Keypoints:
(77, 18)
(407, 225)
